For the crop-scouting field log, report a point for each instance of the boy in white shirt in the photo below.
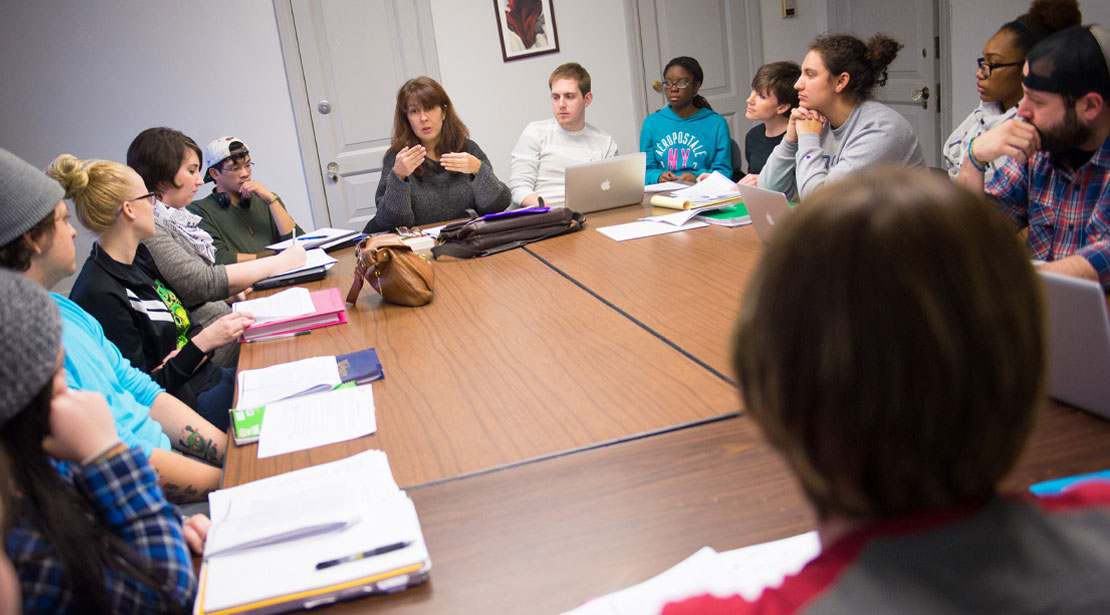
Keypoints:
(546, 147)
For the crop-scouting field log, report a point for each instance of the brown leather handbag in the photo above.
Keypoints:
(399, 275)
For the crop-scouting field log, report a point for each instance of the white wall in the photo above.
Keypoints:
(497, 99)
(85, 76)
(788, 39)
(973, 22)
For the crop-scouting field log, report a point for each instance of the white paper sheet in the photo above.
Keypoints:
(714, 186)
(313, 258)
(259, 387)
(747, 572)
(315, 420)
(286, 304)
(641, 228)
(315, 238)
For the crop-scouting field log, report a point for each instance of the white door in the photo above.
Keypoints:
(722, 35)
(355, 54)
(913, 82)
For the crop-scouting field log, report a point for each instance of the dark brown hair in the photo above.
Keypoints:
(17, 254)
(865, 63)
(156, 154)
(778, 78)
(429, 94)
(890, 345)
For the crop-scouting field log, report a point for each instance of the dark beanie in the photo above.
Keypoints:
(30, 338)
(27, 196)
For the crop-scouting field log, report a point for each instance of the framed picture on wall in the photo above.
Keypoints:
(526, 27)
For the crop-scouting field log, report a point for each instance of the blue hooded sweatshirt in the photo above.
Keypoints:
(697, 144)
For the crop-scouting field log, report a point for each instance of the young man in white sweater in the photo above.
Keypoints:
(546, 147)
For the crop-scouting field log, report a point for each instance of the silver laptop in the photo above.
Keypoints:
(1078, 331)
(767, 209)
(605, 184)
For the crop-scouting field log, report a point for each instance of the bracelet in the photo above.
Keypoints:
(114, 449)
(975, 162)
(274, 197)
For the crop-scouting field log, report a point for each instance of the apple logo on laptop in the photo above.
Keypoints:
(605, 185)
(770, 220)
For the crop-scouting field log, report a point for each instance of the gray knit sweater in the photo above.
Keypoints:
(439, 196)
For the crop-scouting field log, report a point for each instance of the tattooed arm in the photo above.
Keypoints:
(188, 431)
(184, 479)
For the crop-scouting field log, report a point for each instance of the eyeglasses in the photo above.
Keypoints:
(150, 196)
(987, 67)
(682, 85)
(238, 167)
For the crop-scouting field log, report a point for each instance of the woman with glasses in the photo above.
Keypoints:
(687, 137)
(169, 163)
(838, 127)
(121, 286)
(432, 171)
(999, 76)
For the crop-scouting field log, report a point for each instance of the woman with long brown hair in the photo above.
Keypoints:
(432, 171)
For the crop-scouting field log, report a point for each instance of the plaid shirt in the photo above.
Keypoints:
(1067, 210)
(124, 492)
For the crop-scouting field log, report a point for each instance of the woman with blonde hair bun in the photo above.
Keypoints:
(121, 286)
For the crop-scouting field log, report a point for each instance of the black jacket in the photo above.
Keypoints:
(124, 299)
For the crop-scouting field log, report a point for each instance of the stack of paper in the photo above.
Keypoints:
(317, 263)
(286, 304)
(745, 572)
(327, 309)
(317, 420)
(713, 190)
(269, 537)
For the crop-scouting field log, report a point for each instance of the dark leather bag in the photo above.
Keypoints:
(399, 275)
(493, 233)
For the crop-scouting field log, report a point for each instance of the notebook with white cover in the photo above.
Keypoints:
(325, 512)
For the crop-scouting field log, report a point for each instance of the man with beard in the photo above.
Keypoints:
(1057, 179)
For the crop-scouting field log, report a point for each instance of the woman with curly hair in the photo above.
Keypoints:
(838, 127)
(998, 75)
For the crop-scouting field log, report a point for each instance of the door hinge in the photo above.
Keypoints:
(936, 47)
(938, 97)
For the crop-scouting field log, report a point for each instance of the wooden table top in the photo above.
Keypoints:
(544, 535)
(686, 286)
(510, 361)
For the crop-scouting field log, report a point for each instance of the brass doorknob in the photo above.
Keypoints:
(657, 86)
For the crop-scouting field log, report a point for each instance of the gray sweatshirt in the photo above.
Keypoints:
(872, 134)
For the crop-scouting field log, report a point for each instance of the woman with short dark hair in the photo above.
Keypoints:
(432, 171)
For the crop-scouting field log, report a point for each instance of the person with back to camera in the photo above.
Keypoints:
(87, 528)
(121, 285)
(999, 75)
(432, 171)
(169, 163)
(1056, 180)
(687, 137)
(838, 127)
(902, 408)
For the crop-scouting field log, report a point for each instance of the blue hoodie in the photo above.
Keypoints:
(697, 144)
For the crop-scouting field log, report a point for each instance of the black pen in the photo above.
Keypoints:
(357, 556)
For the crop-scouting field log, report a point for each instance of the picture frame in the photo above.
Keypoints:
(526, 28)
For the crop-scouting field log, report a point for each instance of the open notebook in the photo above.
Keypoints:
(269, 536)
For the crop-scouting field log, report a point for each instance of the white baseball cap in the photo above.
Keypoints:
(219, 150)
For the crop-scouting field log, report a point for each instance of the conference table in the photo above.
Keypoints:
(564, 418)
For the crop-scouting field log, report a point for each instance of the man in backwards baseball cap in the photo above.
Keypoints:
(1056, 180)
(241, 215)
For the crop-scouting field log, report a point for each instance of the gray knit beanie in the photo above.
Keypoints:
(27, 196)
(30, 338)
